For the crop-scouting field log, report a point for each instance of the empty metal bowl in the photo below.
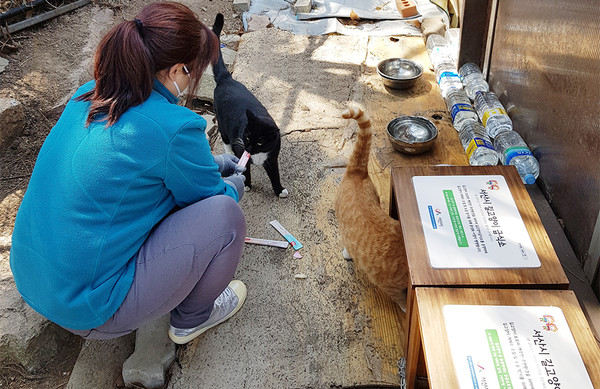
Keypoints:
(399, 73)
(412, 134)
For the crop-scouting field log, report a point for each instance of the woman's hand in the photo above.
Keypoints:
(228, 165)
(236, 181)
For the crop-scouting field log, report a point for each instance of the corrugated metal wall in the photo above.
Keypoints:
(545, 66)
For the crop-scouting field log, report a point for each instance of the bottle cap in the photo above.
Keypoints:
(529, 179)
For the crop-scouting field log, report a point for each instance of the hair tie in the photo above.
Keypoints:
(140, 26)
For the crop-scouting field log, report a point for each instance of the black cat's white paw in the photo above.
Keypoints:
(284, 193)
(247, 189)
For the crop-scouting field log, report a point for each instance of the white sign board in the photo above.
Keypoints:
(472, 222)
(505, 347)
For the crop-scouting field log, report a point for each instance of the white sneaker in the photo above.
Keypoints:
(226, 305)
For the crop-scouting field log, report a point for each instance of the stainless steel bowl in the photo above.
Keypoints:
(399, 73)
(412, 134)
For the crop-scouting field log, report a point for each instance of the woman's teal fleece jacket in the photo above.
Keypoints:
(95, 194)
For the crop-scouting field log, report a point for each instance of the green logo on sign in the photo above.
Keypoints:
(499, 360)
(457, 226)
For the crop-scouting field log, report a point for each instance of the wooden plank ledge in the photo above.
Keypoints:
(388, 322)
(424, 99)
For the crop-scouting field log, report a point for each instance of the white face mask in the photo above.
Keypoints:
(177, 87)
(179, 91)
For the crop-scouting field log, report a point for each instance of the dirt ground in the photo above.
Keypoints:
(330, 329)
(51, 61)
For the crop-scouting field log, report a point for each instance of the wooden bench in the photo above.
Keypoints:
(382, 104)
(549, 275)
(435, 344)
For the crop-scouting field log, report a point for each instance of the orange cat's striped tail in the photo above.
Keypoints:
(360, 155)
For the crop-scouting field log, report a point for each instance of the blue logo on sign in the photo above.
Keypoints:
(432, 217)
(472, 370)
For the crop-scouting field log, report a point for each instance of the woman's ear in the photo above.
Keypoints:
(172, 72)
(169, 74)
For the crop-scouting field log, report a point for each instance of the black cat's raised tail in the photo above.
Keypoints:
(219, 69)
(218, 25)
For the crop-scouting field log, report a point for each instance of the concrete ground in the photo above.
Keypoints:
(295, 333)
(331, 329)
(328, 329)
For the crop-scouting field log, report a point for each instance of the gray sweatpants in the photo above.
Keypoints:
(184, 265)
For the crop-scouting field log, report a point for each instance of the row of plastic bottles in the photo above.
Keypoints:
(491, 139)
(508, 146)
(443, 59)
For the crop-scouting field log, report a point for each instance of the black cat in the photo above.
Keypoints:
(244, 122)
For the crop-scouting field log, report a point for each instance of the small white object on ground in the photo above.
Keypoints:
(286, 234)
(267, 242)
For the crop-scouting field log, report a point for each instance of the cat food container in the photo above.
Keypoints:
(412, 134)
(399, 73)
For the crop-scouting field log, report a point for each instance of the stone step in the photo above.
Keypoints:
(153, 355)
(12, 117)
(100, 362)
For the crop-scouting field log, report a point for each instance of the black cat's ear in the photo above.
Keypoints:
(262, 121)
(251, 116)
(254, 118)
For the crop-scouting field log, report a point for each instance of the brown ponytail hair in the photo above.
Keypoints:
(129, 56)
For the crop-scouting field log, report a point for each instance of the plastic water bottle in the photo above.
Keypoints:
(477, 144)
(514, 151)
(439, 51)
(472, 79)
(460, 108)
(492, 113)
(452, 36)
(447, 78)
(435, 40)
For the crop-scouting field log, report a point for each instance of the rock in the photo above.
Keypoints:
(228, 57)
(12, 117)
(210, 121)
(433, 25)
(230, 39)
(241, 5)
(27, 338)
(153, 355)
(258, 22)
(302, 6)
(206, 87)
(3, 64)
(99, 363)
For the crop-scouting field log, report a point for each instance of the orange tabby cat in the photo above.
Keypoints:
(371, 237)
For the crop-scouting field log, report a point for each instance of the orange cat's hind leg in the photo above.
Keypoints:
(401, 301)
(346, 255)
